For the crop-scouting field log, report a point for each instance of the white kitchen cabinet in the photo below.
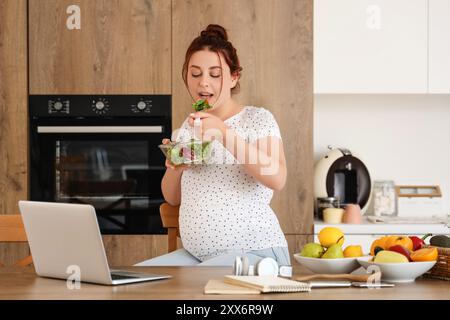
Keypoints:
(439, 46)
(370, 46)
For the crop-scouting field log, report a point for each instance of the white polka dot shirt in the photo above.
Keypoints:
(222, 207)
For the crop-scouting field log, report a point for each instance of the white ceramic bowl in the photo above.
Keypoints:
(328, 266)
(398, 272)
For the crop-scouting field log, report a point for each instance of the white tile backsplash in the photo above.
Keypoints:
(405, 138)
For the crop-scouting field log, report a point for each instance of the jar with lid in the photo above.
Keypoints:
(384, 198)
(326, 202)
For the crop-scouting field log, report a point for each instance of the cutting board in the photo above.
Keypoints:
(217, 286)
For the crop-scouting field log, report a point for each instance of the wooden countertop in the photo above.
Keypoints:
(188, 283)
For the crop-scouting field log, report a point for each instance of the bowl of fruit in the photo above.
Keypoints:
(187, 152)
(328, 256)
(400, 259)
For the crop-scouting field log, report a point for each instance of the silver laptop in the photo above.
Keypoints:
(65, 240)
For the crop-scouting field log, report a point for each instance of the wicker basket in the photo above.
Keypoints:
(441, 269)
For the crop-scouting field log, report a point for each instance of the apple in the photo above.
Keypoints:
(402, 250)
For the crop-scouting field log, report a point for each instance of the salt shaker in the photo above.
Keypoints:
(384, 198)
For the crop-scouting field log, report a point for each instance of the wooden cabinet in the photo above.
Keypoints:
(439, 46)
(122, 47)
(126, 250)
(274, 41)
(138, 46)
(13, 116)
(370, 46)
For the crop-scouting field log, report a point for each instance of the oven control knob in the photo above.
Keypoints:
(141, 105)
(58, 105)
(99, 105)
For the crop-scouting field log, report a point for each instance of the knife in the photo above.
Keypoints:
(343, 284)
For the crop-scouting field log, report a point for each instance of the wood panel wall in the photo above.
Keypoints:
(123, 46)
(13, 116)
(274, 43)
(138, 46)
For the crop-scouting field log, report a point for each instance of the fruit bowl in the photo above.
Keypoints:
(187, 152)
(328, 266)
(401, 272)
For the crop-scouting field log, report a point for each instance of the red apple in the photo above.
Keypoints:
(402, 250)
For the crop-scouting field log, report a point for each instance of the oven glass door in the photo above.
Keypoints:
(117, 169)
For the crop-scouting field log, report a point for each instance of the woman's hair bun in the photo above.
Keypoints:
(215, 30)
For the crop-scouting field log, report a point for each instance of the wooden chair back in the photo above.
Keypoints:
(13, 230)
(169, 217)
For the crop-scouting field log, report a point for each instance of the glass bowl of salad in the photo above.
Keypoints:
(187, 152)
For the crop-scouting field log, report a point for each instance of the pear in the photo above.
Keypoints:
(312, 250)
(333, 252)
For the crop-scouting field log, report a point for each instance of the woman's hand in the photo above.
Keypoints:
(210, 126)
(170, 165)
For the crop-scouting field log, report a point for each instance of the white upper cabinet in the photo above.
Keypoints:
(439, 46)
(371, 46)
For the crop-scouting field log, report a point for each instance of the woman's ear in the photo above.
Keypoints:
(234, 79)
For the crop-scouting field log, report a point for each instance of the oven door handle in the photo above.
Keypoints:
(100, 129)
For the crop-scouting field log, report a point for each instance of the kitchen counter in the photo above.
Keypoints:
(188, 283)
(368, 227)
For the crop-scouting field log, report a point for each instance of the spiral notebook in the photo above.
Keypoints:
(268, 283)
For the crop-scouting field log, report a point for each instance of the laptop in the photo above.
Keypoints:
(65, 241)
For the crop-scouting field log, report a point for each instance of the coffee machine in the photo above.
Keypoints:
(342, 175)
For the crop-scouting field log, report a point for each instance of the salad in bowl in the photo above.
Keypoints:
(187, 152)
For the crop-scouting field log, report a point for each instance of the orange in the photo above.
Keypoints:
(425, 254)
(353, 252)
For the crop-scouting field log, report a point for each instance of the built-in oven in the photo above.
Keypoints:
(101, 150)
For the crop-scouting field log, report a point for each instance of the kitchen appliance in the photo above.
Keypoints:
(101, 150)
(342, 175)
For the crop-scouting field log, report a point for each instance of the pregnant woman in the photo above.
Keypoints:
(225, 203)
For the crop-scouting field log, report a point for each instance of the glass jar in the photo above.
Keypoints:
(326, 202)
(384, 198)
